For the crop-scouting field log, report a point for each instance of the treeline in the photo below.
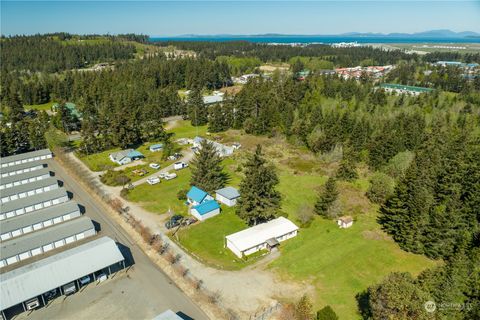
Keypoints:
(340, 57)
(58, 52)
(452, 56)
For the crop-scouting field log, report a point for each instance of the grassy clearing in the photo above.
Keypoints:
(159, 198)
(184, 129)
(343, 262)
(99, 161)
(40, 107)
(205, 240)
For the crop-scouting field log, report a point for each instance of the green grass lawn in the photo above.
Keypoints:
(184, 129)
(161, 197)
(40, 107)
(343, 262)
(99, 161)
(205, 240)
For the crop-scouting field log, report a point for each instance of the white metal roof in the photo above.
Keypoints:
(260, 233)
(26, 155)
(41, 276)
(168, 315)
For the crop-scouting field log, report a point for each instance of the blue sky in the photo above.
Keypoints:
(167, 18)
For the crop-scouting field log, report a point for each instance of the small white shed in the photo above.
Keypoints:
(227, 195)
(345, 222)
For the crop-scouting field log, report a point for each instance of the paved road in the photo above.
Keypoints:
(151, 291)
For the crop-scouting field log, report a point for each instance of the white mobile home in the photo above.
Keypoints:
(262, 236)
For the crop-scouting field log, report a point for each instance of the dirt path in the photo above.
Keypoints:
(245, 291)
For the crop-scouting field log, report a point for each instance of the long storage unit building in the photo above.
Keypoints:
(33, 203)
(25, 158)
(29, 189)
(24, 178)
(22, 168)
(38, 242)
(26, 223)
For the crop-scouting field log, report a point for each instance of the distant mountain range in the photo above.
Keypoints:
(433, 34)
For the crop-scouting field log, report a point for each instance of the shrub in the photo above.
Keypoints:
(326, 313)
(182, 194)
(381, 187)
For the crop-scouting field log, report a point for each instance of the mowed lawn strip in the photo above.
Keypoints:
(205, 240)
(184, 129)
(344, 262)
(40, 107)
(161, 197)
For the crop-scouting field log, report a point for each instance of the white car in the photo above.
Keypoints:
(102, 277)
(170, 176)
(155, 166)
(162, 175)
(84, 280)
(153, 180)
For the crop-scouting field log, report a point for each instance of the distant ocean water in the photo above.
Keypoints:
(321, 39)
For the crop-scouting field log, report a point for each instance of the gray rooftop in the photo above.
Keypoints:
(54, 271)
(32, 200)
(119, 155)
(24, 220)
(29, 187)
(24, 176)
(23, 166)
(26, 155)
(228, 192)
(168, 315)
(44, 236)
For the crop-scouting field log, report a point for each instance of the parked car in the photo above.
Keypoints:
(50, 295)
(84, 280)
(180, 165)
(162, 175)
(153, 180)
(155, 166)
(69, 288)
(102, 277)
(32, 304)
(170, 176)
(173, 221)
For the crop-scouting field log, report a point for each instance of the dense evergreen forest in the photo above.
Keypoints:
(423, 151)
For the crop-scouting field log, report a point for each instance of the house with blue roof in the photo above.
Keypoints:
(205, 210)
(156, 147)
(126, 156)
(196, 196)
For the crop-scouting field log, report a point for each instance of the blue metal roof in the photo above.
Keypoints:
(134, 154)
(196, 194)
(206, 207)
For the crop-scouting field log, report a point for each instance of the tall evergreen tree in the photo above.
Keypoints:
(207, 171)
(197, 111)
(260, 201)
(326, 199)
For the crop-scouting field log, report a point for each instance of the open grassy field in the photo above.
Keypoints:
(99, 161)
(159, 198)
(343, 262)
(40, 107)
(184, 129)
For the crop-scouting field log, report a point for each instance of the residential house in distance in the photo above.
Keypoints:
(403, 89)
(126, 156)
(345, 222)
(260, 237)
(222, 150)
(227, 196)
(156, 147)
(245, 78)
(216, 97)
(71, 107)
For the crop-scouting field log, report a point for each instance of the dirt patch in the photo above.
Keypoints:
(354, 201)
(374, 235)
(233, 90)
